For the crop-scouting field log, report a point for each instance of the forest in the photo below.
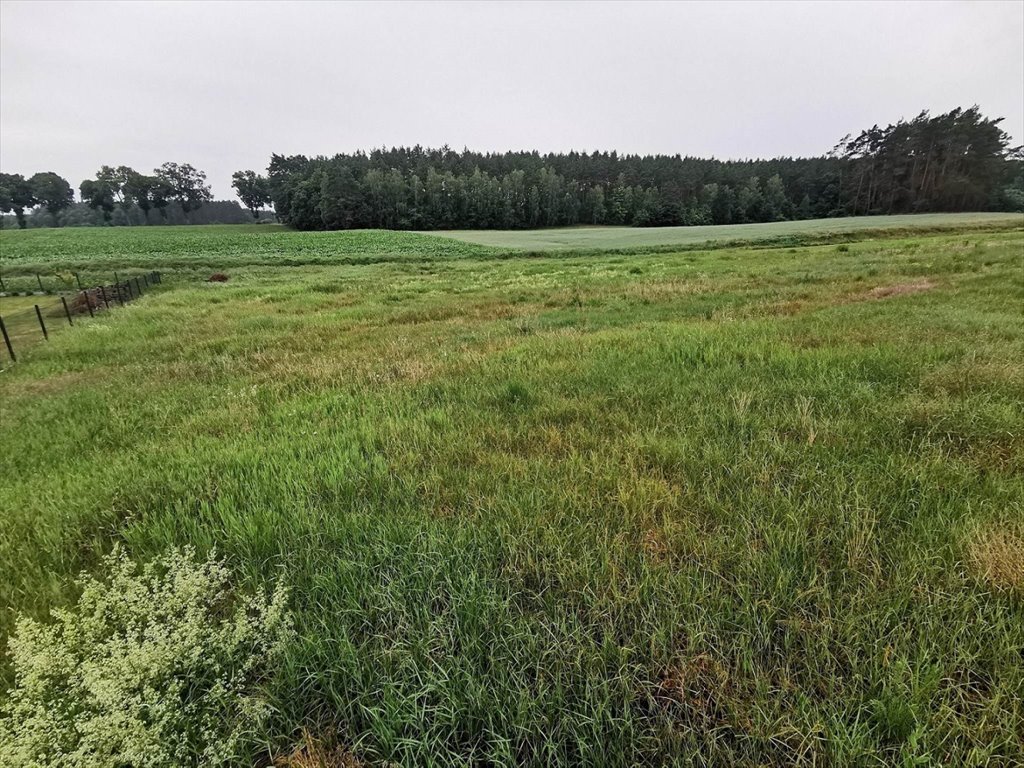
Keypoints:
(957, 161)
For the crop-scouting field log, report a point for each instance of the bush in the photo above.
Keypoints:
(158, 666)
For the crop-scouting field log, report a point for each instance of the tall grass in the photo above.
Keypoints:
(725, 507)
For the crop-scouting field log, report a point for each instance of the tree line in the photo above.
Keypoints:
(956, 161)
(174, 193)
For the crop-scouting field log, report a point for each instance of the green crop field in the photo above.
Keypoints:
(711, 506)
(101, 249)
(642, 237)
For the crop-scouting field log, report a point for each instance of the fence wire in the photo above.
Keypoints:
(38, 315)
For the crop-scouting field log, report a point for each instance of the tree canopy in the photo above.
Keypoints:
(956, 161)
(252, 190)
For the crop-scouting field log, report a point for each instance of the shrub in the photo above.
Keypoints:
(157, 666)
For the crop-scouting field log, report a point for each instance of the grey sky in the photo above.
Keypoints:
(222, 85)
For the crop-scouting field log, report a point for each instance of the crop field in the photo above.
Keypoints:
(722, 505)
(645, 237)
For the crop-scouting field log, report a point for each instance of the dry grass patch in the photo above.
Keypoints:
(314, 753)
(997, 555)
(898, 289)
(971, 373)
(663, 290)
(54, 384)
(696, 692)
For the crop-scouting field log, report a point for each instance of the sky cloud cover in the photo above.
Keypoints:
(222, 85)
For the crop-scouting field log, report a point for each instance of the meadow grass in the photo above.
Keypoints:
(724, 507)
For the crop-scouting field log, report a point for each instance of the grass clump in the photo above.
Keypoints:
(155, 666)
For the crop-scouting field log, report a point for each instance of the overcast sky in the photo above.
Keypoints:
(223, 85)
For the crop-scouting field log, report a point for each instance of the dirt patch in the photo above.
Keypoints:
(997, 556)
(898, 289)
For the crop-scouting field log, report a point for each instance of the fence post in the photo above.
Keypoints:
(7, 340)
(145, 280)
(40, 281)
(67, 311)
(138, 290)
(2, 284)
(103, 293)
(88, 304)
(41, 323)
(79, 281)
(128, 285)
(117, 290)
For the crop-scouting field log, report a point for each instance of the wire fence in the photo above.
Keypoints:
(27, 319)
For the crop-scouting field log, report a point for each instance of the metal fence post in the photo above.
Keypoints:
(7, 340)
(79, 281)
(103, 293)
(41, 323)
(67, 311)
(88, 304)
(40, 281)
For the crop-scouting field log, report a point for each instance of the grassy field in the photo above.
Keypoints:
(576, 238)
(710, 507)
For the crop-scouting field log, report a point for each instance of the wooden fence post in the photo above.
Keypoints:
(7, 340)
(42, 325)
(67, 311)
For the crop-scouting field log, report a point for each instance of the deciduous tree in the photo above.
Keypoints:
(185, 185)
(252, 190)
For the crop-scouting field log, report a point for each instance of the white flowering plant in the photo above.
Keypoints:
(158, 665)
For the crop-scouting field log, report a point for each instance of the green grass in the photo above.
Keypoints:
(724, 507)
(631, 237)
